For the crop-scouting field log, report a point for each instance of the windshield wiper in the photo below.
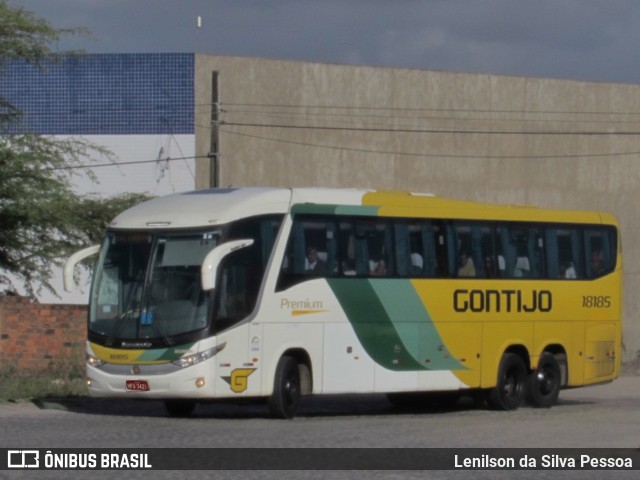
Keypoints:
(128, 314)
(157, 324)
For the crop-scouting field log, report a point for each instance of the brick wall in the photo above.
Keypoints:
(38, 337)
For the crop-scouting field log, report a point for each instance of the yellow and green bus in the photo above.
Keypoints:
(277, 293)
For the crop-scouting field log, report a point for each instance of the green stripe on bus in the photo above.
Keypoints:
(324, 209)
(166, 354)
(393, 325)
(372, 325)
(357, 210)
(313, 208)
(413, 323)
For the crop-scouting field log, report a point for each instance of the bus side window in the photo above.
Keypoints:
(319, 247)
(473, 246)
(483, 250)
(346, 248)
(410, 250)
(564, 249)
(525, 247)
(419, 249)
(600, 246)
(428, 252)
(403, 250)
(374, 248)
(520, 251)
(535, 249)
(310, 251)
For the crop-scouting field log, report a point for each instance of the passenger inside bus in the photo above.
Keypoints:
(522, 268)
(490, 270)
(377, 268)
(314, 263)
(567, 270)
(597, 263)
(466, 267)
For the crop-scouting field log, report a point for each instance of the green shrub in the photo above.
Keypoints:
(64, 380)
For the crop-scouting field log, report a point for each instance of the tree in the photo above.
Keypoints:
(42, 219)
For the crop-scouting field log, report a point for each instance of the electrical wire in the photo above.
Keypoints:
(353, 119)
(429, 130)
(120, 164)
(429, 155)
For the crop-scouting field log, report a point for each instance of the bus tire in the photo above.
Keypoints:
(285, 399)
(511, 388)
(179, 408)
(544, 382)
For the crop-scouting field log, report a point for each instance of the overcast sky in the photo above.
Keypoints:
(592, 40)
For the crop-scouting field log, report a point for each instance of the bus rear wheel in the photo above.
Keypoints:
(544, 382)
(285, 399)
(511, 387)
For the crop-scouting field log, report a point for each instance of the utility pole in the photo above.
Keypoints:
(214, 149)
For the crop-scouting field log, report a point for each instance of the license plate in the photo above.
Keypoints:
(137, 385)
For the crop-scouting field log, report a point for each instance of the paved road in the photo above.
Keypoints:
(594, 417)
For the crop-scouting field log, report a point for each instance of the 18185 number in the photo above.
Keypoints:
(596, 301)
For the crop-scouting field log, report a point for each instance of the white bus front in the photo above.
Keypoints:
(159, 302)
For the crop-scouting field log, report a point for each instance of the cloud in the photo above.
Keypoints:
(580, 39)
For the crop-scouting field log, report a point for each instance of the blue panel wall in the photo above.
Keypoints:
(105, 94)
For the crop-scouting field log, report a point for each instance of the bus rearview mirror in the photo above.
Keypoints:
(72, 261)
(213, 259)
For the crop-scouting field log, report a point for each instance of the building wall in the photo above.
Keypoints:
(138, 106)
(38, 337)
(107, 94)
(552, 143)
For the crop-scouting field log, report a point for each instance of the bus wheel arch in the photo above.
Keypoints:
(560, 355)
(510, 390)
(292, 379)
(546, 380)
(304, 365)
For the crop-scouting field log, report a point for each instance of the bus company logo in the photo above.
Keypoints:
(498, 301)
(239, 379)
(302, 307)
(23, 459)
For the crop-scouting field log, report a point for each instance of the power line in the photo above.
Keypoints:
(429, 130)
(522, 111)
(352, 111)
(396, 118)
(341, 148)
(118, 164)
(430, 155)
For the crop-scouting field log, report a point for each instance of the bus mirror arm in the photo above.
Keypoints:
(72, 261)
(213, 259)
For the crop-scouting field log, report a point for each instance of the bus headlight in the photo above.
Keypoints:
(198, 357)
(94, 361)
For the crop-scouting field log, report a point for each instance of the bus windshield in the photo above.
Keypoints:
(148, 286)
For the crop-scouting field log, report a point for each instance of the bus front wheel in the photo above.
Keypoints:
(285, 399)
(511, 388)
(544, 382)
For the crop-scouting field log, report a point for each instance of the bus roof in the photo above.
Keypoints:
(201, 208)
(408, 204)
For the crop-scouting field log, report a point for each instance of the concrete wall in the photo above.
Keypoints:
(552, 143)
